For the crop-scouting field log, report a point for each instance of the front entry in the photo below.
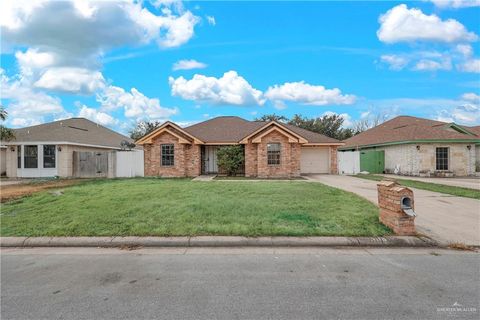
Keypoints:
(209, 160)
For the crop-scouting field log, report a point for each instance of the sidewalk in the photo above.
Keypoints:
(470, 182)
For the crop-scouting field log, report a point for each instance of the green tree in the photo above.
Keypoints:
(6, 134)
(142, 128)
(272, 117)
(230, 159)
(329, 125)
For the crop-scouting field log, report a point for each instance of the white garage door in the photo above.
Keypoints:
(315, 160)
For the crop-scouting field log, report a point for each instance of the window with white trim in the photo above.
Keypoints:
(30, 157)
(273, 153)
(168, 155)
(49, 156)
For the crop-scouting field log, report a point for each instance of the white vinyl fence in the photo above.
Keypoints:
(129, 164)
(348, 162)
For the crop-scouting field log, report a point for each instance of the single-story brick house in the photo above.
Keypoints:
(271, 149)
(47, 150)
(414, 146)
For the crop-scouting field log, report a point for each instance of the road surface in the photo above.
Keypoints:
(239, 283)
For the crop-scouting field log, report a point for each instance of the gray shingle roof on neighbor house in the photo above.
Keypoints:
(74, 130)
(231, 129)
(410, 129)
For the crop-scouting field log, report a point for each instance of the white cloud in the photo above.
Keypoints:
(97, 116)
(471, 97)
(432, 65)
(456, 3)
(134, 103)
(27, 106)
(188, 65)
(466, 114)
(470, 65)
(347, 119)
(69, 79)
(395, 62)
(211, 20)
(68, 36)
(230, 89)
(307, 94)
(401, 24)
(465, 49)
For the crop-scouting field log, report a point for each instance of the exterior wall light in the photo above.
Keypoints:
(418, 147)
(469, 147)
(59, 148)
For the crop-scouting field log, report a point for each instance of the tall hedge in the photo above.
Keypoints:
(230, 159)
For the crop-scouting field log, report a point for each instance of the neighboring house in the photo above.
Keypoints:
(47, 150)
(271, 149)
(415, 146)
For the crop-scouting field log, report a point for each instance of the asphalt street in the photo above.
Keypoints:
(239, 283)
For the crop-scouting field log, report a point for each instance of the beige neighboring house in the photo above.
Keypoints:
(46, 150)
(414, 146)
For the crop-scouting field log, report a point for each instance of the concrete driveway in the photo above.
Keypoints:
(445, 218)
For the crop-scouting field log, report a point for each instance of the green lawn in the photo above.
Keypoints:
(435, 187)
(177, 207)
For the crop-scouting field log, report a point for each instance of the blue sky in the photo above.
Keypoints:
(114, 62)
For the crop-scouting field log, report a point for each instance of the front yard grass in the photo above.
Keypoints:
(435, 187)
(180, 207)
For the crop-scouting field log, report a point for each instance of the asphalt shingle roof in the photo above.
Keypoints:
(407, 128)
(230, 129)
(74, 130)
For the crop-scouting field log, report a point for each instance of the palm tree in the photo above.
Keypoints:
(3, 113)
(6, 134)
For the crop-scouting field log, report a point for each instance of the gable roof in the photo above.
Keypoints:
(227, 129)
(232, 129)
(410, 129)
(73, 130)
(171, 128)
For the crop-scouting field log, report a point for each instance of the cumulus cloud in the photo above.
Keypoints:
(69, 79)
(401, 24)
(347, 119)
(465, 110)
(456, 3)
(134, 103)
(470, 65)
(307, 94)
(27, 106)
(96, 116)
(230, 89)
(432, 65)
(471, 97)
(188, 65)
(69, 38)
(395, 62)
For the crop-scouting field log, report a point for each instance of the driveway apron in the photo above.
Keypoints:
(442, 217)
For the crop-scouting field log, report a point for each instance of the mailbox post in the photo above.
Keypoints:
(396, 205)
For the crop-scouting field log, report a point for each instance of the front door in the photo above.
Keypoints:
(210, 160)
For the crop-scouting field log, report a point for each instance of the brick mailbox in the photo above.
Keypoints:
(396, 207)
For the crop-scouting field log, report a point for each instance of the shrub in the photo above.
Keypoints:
(230, 159)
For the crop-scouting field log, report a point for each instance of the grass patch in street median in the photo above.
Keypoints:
(435, 187)
(180, 207)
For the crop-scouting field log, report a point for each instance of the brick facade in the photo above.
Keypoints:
(188, 157)
(256, 157)
(186, 163)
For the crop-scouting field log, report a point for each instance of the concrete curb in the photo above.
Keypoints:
(218, 241)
